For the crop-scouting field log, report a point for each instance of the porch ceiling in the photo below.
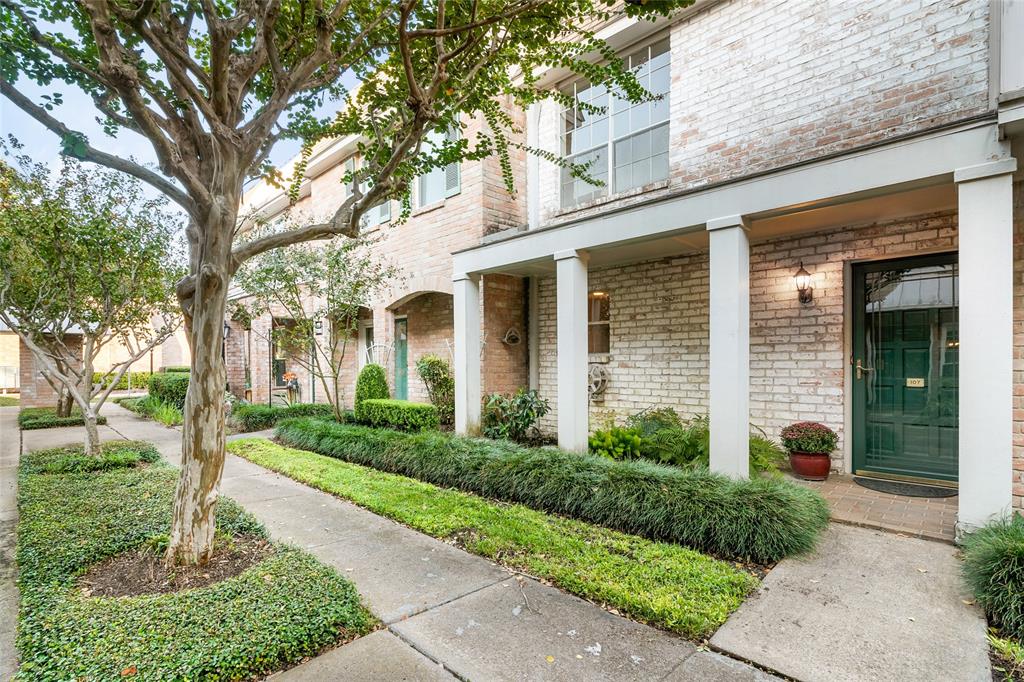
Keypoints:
(934, 199)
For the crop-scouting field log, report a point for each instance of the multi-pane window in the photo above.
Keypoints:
(439, 183)
(599, 322)
(625, 144)
(375, 215)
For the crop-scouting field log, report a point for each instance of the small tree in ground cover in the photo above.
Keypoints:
(213, 86)
(84, 256)
(321, 289)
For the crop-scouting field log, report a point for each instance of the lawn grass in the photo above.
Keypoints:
(280, 610)
(10, 400)
(30, 418)
(664, 584)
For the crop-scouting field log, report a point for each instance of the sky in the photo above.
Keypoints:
(78, 113)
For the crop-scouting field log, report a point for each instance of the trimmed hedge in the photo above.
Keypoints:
(371, 384)
(994, 570)
(170, 388)
(761, 519)
(138, 380)
(403, 415)
(177, 368)
(30, 418)
(259, 417)
(72, 459)
(285, 608)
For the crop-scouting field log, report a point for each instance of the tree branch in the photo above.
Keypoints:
(90, 153)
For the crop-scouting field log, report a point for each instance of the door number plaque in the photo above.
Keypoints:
(915, 382)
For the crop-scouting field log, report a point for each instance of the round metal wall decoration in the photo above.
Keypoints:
(597, 379)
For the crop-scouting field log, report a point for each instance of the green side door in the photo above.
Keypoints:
(906, 368)
(402, 359)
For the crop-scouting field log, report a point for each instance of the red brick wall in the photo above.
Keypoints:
(504, 367)
(35, 390)
(431, 331)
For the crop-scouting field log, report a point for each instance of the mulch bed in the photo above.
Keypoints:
(142, 571)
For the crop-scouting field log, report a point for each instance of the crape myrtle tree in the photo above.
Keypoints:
(214, 84)
(321, 290)
(85, 256)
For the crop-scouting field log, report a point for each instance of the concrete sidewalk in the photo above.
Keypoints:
(446, 612)
(867, 605)
(10, 449)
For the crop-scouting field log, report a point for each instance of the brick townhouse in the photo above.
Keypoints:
(452, 209)
(820, 220)
(823, 219)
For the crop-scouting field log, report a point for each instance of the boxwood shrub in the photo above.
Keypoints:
(403, 415)
(177, 368)
(30, 418)
(138, 380)
(994, 570)
(170, 387)
(760, 519)
(286, 607)
(258, 417)
(372, 383)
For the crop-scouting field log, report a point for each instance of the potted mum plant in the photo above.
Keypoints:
(810, 447)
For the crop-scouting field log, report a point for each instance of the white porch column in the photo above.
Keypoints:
(729, 399)
(571, 295)
(466, 295)
(986, 341)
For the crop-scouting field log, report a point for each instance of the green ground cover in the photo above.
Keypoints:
(285, 607)
(46, 418)
(664, 584)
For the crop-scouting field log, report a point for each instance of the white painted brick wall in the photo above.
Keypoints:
(758, 84)
(659, 325)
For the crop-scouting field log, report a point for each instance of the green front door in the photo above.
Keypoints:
(402, 359)
(905, 368)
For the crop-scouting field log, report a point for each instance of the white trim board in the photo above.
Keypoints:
(909, 163)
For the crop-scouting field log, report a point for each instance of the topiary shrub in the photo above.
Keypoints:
(994, 570)
(372, 384)
(258, 417)
(436, 374)
(761, 519)
(403, 415)
(170, 388)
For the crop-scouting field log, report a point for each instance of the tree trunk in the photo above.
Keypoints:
(64, 403)
(203, 437)
(92, 434)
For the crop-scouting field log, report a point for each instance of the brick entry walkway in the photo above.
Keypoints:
(931, 518)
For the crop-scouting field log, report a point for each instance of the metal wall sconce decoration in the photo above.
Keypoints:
(803, 285)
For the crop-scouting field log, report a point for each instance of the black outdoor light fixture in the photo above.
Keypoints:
(803, 284)
(227, 330)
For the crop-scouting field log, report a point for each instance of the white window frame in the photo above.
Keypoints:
(599, 323)
(455, 168)
(361, 345)
(609, 188)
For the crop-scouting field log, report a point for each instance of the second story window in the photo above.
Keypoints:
(626, 144)
(439, 183)
(375, 215)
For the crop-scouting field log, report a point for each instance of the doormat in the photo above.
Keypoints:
(903, 488)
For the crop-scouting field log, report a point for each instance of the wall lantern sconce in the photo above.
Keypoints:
(803, 285)
(227, 330)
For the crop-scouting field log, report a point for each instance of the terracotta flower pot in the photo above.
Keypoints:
(811, 466)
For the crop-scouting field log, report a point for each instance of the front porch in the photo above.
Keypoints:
(706, 319)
